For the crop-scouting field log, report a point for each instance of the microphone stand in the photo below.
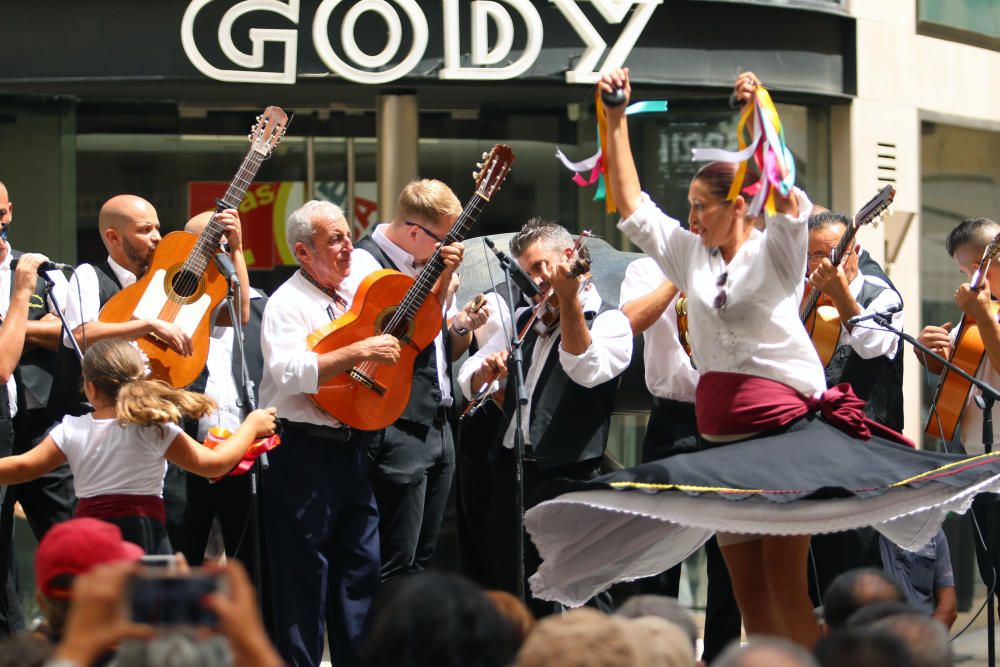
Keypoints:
(985, 402)
(515, 371)
(249, 404)
(54, 302)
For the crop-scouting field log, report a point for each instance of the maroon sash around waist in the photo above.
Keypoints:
(117, 506)
(733, 404)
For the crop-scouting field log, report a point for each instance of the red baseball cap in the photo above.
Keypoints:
(75, 547)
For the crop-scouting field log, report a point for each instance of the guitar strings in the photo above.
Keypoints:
(201, 254)
(421, 287)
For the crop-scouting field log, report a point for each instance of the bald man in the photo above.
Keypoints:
(130, 230)
(229, 498)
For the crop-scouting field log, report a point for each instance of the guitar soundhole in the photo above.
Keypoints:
(184, 283)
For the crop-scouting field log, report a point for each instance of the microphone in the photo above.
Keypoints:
(517, 274)
(55, 266)
(614, 98)
(894, 308)
(225, 264)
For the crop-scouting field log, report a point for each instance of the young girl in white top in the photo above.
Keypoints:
(119, 452)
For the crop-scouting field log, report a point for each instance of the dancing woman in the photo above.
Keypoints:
(782, 457)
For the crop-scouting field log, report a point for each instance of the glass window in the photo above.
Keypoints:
(975, 22)
(663, 144)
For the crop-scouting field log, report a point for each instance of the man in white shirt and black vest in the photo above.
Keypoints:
(48, 499)
(866, 357)
(414, 458)
(571, 369)
(318, 509)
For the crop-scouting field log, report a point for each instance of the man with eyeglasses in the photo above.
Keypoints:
(414, 458)
(866, 357)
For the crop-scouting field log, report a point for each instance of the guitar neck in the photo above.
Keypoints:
(836, 258)
(417, 294)
(211, 236)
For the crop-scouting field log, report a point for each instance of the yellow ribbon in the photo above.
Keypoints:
(602, 133)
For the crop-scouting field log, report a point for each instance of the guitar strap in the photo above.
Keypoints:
(332, 293)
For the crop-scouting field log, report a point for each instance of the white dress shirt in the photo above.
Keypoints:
(758, 331)
(669, 373)
(607, 357)
(869, 339)
(221, 385)
(83, 299)
(498, 323)
(291, 370)
(406, 264)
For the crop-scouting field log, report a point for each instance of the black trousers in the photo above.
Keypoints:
(412, 469)
(318, 512)
(986, 511)
(46, 501)
(504, 521)
(473, 482)
(229, 500)
(671, 430)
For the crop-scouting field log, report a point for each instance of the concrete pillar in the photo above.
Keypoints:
(397, 133)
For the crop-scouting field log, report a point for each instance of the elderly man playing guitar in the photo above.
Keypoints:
(319, 511)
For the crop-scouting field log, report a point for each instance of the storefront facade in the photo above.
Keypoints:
(153, 99)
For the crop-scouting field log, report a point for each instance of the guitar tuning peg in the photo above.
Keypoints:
(485, 155)
(479, 165)
(250, 136)
(475, 175)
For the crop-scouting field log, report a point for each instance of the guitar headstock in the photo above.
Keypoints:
(493, 170)
(269, 130)
(876, 207)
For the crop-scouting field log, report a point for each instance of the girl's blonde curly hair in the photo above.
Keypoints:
(118, 370)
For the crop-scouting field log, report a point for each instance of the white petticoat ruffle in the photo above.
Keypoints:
(589, 540)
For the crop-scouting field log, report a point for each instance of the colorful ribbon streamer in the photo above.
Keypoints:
(595, 164)
(767, 148)
(217, 434)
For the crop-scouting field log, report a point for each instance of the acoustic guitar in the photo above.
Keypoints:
(967, 353)
(182, 284)
(820, 317)
(371, 396)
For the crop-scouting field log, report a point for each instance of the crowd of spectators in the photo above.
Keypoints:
(85, 575)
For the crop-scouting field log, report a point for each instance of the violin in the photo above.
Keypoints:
(544, 319)
(545, 314)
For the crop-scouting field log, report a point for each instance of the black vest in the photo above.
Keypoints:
(67, 395)
(568, 423)
(877, 381)
(425, 394)
(36, 369)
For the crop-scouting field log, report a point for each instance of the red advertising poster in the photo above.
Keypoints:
(266, 207)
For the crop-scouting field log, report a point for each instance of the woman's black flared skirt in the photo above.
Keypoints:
(808, 478)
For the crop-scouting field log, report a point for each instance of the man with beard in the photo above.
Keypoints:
(130, 230)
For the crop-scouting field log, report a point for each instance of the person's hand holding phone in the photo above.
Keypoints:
(240, 620)
(97, 620)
